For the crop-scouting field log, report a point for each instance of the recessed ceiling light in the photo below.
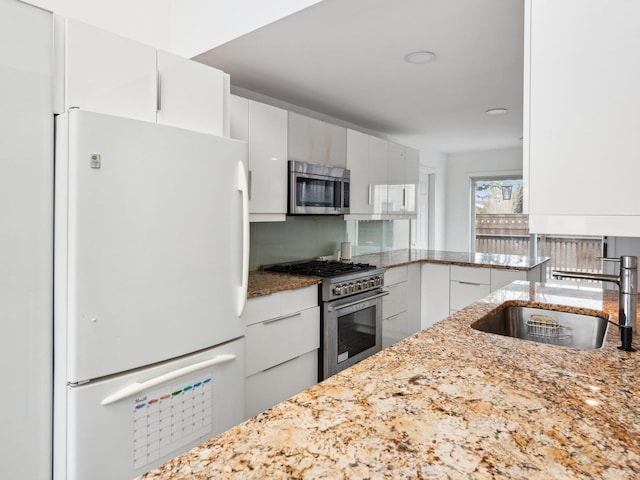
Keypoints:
(420, 57)
(496, 111)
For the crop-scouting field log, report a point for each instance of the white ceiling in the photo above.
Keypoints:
(345, 59)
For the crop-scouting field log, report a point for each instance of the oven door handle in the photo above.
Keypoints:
(362, 300)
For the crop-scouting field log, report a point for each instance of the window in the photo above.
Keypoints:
(499, 224)
(501, 227)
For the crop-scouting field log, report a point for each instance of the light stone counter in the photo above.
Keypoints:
(450, 402)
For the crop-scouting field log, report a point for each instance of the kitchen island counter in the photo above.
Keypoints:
(397, 258)
(450, 402)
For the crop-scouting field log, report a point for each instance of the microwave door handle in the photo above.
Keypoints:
(347, 305)
(135, 388)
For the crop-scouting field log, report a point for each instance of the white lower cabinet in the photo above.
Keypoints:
(468, 284)
(434, 293)
(400, 309)
(282, 338)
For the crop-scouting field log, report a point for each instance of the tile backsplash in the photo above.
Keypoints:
(303, 237)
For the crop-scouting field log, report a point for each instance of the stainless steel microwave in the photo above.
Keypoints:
(316, 189)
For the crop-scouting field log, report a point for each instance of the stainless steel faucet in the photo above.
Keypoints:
(627, 281)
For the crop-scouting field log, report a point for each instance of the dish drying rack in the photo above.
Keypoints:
(548, 328)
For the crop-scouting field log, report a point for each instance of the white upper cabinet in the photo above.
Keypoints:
(378, 182)
(190, 94)
(384, 177)
(100, 71)
(395, 178)
(411, 180)
(358, 163)
(312, 140)
(581, 122)
(264, 127)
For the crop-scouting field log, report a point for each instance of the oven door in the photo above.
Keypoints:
(351, 331)
(315, 194)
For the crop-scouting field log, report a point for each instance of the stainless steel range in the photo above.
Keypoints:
(350, 298)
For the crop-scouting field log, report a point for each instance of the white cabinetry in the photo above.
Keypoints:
(468, 284)
(103, 72)
(100, 71)
(446, 289)
(403, 172)
(400, 309)
(26, 230)
(282, 338)
(502, 277)
(434, 293)
(264, 127)
(581, 119)
(384, 178)
(191, 95)
(312, 140)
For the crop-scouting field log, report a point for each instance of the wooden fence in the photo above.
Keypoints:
(509, 234)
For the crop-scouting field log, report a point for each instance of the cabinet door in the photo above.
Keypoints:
(395, 178)
(312, 140)
(358, 164)
(26, 258)
(501, 278)
(434, 298)
(103, 72)
(191, 94)
(582, 156)
(411, 179)
(274, 385)
(267, 159)
(413, 298)
(378, 160)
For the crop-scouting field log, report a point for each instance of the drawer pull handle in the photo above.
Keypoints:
(283, 317)
(281, 363)
(469, 283)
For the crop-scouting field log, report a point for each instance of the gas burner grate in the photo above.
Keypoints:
(320, 268)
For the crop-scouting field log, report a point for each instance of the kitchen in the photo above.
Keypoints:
(610, 217)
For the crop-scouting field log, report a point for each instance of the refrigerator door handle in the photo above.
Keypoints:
(140, 387)
(243, 187)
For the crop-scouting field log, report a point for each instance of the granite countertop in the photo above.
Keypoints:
(489, 260)
(266, 283)
(450, 402)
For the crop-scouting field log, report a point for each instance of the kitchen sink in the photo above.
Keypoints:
(573, 330)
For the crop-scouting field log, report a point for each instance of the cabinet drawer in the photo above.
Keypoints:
(471, 274)
(463, 294)
(395, 329)
(266, 307)
(277, 340)
(395, 275)
(269, 387)
(500, 278)
(396, 301)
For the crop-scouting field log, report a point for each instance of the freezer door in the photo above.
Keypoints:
(116, 437)
(151, 242)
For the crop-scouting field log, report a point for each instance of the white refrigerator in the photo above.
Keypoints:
(150, 277)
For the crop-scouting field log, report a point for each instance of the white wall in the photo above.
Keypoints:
(461, 167)
(184, 27)
(200, 25)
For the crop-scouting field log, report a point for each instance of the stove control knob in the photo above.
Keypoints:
(377, 281)
(352, 288)
(358, 286)
(337, 290)
(365, 284)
